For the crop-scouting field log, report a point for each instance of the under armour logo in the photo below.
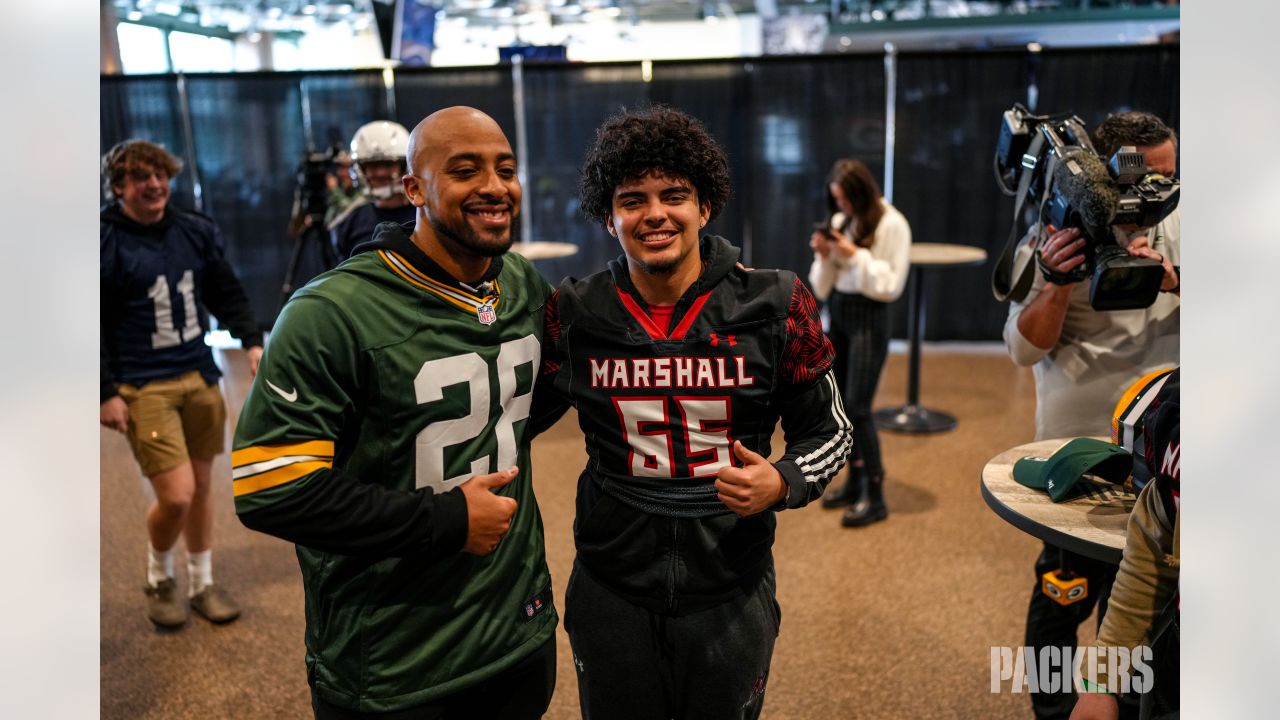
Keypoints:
(730, 339)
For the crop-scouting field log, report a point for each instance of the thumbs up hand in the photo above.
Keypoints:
(488, 515)
(752, 488)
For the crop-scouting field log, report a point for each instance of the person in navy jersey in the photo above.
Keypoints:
(162, 272)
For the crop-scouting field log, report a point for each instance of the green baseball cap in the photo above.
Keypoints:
(1058, 473)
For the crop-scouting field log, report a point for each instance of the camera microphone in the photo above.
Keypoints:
(1083, 181)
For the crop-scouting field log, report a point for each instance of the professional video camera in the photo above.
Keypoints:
(310, 201)
(313, 188)
(1050, 161)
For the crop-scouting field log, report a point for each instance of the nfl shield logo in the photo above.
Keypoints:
(486, 314)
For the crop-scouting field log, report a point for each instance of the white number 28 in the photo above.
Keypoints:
(470, 368)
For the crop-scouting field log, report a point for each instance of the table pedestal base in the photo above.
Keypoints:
(913, 419)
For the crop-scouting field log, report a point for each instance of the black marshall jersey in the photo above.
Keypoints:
(660, 412)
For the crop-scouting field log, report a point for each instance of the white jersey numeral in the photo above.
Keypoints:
(709, 449)
(646, 428)
(166, 335)
(470, 368)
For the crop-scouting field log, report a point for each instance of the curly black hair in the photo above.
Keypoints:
(1132, 127)
(660, 139)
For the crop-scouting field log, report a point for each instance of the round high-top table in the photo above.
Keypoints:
(1092, 522)
(541, 250)
(914, 417)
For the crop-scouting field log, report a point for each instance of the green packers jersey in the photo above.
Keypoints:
(383, 388)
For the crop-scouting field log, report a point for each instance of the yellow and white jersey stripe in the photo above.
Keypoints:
(452, 295)
(267, 466)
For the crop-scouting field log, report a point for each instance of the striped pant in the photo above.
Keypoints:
(860, 333)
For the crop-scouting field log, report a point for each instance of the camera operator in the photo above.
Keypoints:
(378, 150)
(1083, 359)
(343, 191)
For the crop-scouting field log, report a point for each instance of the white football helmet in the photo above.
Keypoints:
(381, 140)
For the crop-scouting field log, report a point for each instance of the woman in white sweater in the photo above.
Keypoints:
(860, 265)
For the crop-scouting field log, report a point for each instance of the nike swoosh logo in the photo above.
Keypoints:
(288, 396)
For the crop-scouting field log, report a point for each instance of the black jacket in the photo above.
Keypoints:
(660, 414)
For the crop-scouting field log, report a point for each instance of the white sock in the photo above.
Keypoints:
(159, 565)
(199, 572)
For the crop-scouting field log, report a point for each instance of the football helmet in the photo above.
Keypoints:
(381, 140)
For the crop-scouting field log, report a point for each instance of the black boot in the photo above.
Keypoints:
(870, 507)
(848, 493)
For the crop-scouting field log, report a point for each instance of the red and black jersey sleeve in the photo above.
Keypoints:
(818, 434)
(551, 335)
(809, 354)
(549, 404)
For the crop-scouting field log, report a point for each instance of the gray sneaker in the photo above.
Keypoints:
(215, 605)
(163, 605)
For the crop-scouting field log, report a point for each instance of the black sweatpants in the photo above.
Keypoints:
(522, 692)
(1052, 625)
(860, 333)
(637, 664)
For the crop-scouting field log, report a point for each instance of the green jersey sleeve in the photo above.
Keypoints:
(305, 395)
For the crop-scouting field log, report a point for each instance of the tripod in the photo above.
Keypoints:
(312, 233)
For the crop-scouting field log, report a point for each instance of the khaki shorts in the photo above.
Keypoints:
(173, 419)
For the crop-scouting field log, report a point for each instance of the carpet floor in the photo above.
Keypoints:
(896, 620)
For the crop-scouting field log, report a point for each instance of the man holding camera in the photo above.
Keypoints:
(1084, 358)
(378, 150)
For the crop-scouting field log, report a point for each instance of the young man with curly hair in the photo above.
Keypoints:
(164, 271)
(680, 363)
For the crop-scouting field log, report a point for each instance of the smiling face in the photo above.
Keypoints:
(656, 219)
(143, 193)
(463, 176)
